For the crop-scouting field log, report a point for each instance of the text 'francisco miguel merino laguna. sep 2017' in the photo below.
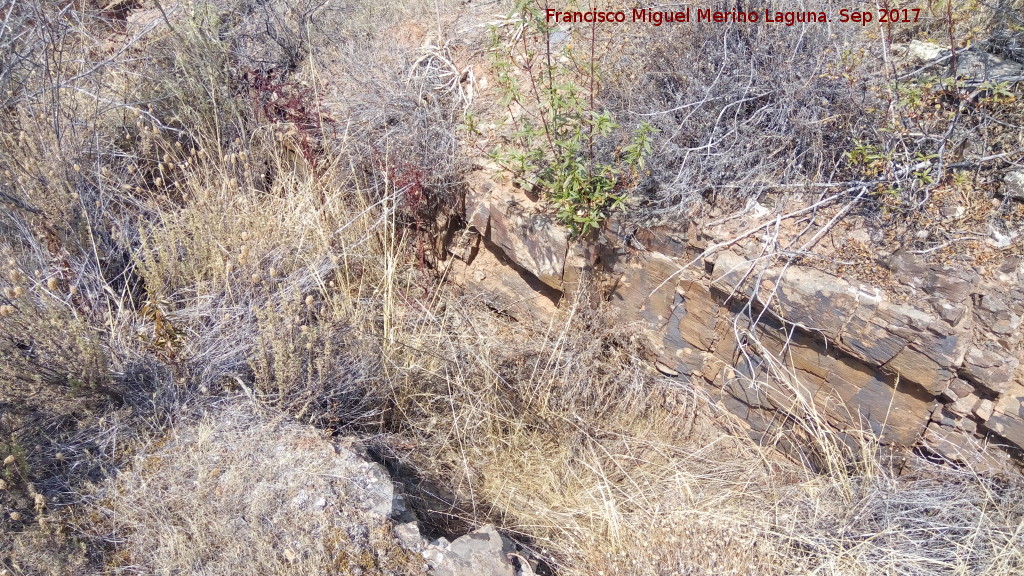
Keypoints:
(707, 15)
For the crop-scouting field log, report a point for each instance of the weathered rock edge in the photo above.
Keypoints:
(943, 371)
(481, 552)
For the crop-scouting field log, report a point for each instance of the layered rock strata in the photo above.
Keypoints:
(940, 371)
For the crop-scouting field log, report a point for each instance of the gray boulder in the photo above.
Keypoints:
(483, 552)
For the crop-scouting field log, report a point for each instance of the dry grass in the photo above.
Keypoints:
(565, 438)
(206, 239)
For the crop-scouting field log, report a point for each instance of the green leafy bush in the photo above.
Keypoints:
(556, 145)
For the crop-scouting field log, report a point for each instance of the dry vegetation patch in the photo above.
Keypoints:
(580, 450)
(226, 198)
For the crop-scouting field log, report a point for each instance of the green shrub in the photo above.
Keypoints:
(556, 146)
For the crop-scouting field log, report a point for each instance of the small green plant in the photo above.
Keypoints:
(917, 95)
(554, 146)
(924, 176)
(868, 158)
(997, 93)
(962, 179)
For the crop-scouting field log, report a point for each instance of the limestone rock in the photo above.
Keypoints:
(503, 288)
(578, 266)
(894, 415)
(994, 314)
(949, 283)
(905, 340)
(644, 287)
(965, 406)
(847, 391)
(1008, 426)
(860, 354)
(818, 300)
(951, 313)
(251, 489)
(961, 388)
(731, 273)
(1013, 184)
(947, 395)
(483, 552)
(967, 425)
(924, 51)
(378, 491)
(697, 314)
(920, 367)
(984, 409)
(978, 65)
(973, 63)
(943, 416)
(408, 536)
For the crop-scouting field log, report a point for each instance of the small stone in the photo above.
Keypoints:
(984, 409)
(943, 416)
(1014, 184)
(948, 394)
(666, 370)
(408, 536)
(960, 388)
(991, 367)
(924, 51)
(968, 425)
(965, 405)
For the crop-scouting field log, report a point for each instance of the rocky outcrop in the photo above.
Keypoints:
(973, 64)
(483, 552)
(514, 224)
(240, 490)
(938, 368)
